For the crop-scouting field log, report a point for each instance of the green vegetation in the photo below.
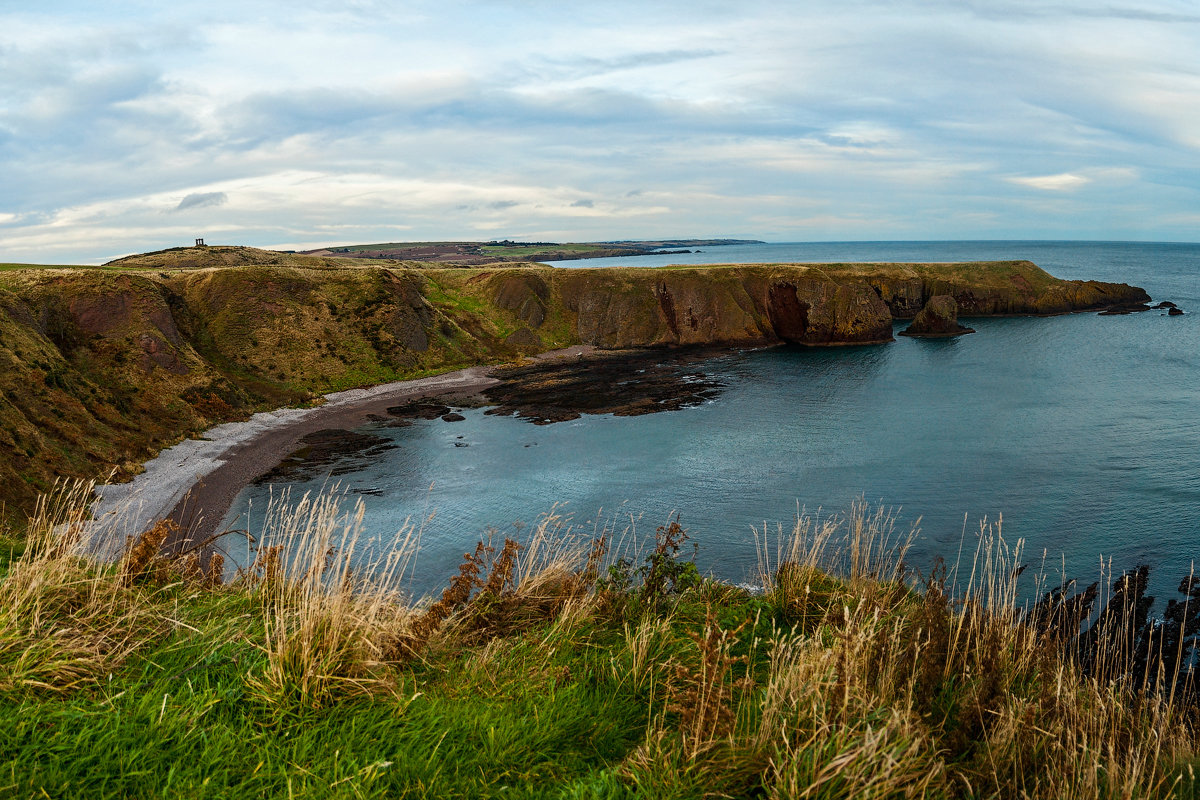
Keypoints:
(551, 668)
(4, 267)
(527, 251)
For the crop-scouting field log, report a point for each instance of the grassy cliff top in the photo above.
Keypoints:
(238, 256)
(989, 273)
(986, 274)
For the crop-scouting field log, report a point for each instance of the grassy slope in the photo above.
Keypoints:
(101, 368)
(141, 680)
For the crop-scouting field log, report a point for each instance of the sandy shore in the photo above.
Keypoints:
(195, 482)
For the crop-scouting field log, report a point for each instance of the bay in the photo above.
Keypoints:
(1082, 431)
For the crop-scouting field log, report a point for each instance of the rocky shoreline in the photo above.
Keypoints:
(193, 483)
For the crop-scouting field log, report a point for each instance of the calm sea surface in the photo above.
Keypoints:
(1082, 431)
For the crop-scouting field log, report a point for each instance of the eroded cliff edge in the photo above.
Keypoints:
(102, 368)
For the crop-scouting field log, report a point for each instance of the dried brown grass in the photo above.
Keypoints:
(881, 689)
(65, 620)
(329, 613)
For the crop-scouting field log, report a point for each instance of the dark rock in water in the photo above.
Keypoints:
(1175, 312)
(420, 409)
(453, 417)
(1124, 308)
(1165, 304)
(335, 451)
(620, 384)
(461, 444)
(939, 317)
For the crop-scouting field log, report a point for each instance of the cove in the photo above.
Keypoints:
(1079, 430)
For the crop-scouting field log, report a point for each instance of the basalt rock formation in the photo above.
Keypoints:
(100, 368)
(939, 317)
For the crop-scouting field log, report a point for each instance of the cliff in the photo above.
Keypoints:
(981, 289)
(100, 368)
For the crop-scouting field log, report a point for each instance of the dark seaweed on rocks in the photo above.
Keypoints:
(624, 385)
(333, 451)
(419, 409)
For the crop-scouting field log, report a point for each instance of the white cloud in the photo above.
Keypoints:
(317, 119)
(202, 200)
(1063, 182)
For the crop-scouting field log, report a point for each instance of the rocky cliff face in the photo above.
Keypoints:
(101, 368)
(723, 305)
(985, 288)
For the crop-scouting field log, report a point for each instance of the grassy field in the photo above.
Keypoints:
(524, 251)
(7, 267)
(554, 667)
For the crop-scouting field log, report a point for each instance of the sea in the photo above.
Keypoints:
(1076, 437)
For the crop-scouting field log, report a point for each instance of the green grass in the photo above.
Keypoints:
(525, 251)
(451, 298)
(531, 678)
(150, 733)
(45, 266)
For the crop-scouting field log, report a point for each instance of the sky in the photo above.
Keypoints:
(134, 126)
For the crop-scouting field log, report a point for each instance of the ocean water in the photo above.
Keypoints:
(1081, 431)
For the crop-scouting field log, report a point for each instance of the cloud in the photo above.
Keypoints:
(922, 118)
(582, 66)
(1063, 182)
(202, 200)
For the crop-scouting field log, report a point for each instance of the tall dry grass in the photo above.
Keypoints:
(328, 608)
(64, 619)
(339, 624)
(944, 688)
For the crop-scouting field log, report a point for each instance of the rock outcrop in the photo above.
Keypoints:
(938, 318)
(984, 289)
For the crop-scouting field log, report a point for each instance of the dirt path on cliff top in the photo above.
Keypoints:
(194, 483)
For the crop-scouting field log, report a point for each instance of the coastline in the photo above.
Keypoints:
(194, 483)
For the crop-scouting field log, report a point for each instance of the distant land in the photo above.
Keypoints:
(501, 251)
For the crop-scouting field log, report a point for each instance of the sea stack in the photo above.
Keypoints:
(939, 317)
